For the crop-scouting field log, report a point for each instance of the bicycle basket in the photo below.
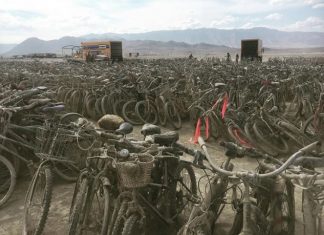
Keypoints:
(53, 141)
(136, 173)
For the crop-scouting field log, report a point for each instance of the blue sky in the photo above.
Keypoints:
(20, 19)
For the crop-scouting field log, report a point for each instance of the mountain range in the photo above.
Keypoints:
(166, 41)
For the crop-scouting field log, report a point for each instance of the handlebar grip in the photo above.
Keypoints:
(201, 141)
(109, 136)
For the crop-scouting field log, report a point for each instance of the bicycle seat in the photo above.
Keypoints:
(124, 128)
(150, 129)
(110, 122)
(166, 138)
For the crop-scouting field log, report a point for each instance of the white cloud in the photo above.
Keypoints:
(273, 16)
(309, 24)
(223, 22)
(319, 5)
(54, 19)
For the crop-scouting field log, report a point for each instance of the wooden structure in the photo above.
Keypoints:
(251, 49)
(102, 50)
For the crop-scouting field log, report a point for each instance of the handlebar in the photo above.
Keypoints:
(275, 172)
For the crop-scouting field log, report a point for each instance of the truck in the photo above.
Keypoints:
(251, 49)
(102, 50)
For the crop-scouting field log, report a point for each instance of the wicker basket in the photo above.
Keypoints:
(137, 173)
(52, 142)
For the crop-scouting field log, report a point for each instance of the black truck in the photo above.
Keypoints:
(251, 49)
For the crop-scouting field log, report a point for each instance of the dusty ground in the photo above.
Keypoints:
(11, 215)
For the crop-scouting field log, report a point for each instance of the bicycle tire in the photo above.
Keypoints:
(90, 107)
(258, 223)
(215, 127)
(130, 116)
(69, 117)
(147, 116)
(173, 115)
(105, 104)
(175, 202)
(100, 191)
(118, 107)
(46, 192)
(77, 208)
(133, 225)
(7, 182)
(76, 100)
(305, 128)
(67, 97)
(160, 103)
(120, 219)
(272, 205)
(284, 148)
(99, 112)
(239, 136)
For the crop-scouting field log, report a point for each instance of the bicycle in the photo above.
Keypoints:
(164, 197)
(248, 220)
(54, 139)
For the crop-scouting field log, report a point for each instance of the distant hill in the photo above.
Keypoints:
(227, 37)
(170, 42)
(6, 47)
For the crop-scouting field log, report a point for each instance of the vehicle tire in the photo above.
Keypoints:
(215, 127)
(90, 107)
(309, 129)
(118, 107)
(146, 111)
(239, 136)
(105, 107)
(129, 113)
(69, 117)
(160, 103)
(118, 226)
(180, 190)
(42, 186)
(173, 115)
(133, 225)
(259, 224)
(276, 143)
(99, 112)
(98, 209)
(78, 207)
(7, 179)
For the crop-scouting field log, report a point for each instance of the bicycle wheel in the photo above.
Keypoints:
(239, 136)
(70, 117)
(182, 190)
(276, 200)
(7, 179)
(258, 223)
(118, 107)
(133, 225)
(173, 115)
(118, 225)
(146, 111)
(129, 113)
(97, 211)
(160, 102)
(276, 143)
(215, 126)
(38, 200)
(78, 206)
(309, 129)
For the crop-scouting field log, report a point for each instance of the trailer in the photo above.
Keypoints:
(251, 49)
(102, 50)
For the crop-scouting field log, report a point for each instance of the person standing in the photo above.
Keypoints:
(237, 58)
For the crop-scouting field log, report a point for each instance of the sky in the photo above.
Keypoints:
(47, 19)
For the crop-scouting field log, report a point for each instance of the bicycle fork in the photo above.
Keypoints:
(246, 230)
